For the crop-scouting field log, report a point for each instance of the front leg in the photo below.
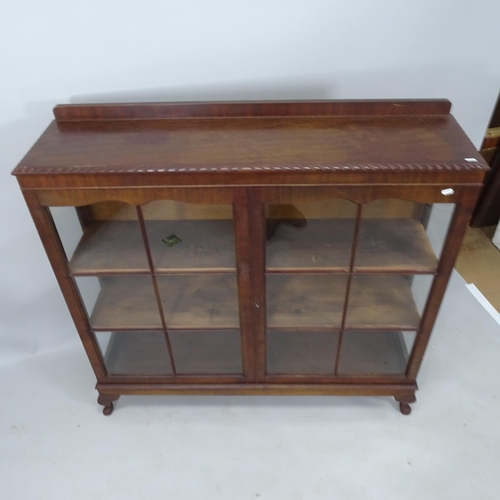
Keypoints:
(404, 402)
(107, 400)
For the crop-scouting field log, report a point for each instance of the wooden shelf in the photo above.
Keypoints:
(219, 352)
(111, 246)
(305, 300)
(384, 245)
(195, 353)
(399, 245)
(126, 302)
(312, 301)
(206, 246)
(373, 353)
(362, 353)
(199, 301)
(382, 301)
(137, 353)
(322, 244)
(188, 302)
(118, 247)
(396, 245)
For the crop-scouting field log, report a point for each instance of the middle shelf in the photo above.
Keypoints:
(210, 301)
(374, 301)
(207, 246)
(187, 302)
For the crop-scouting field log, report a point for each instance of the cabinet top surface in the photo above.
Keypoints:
(399, 136)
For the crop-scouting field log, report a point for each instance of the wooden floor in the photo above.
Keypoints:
(479, 263)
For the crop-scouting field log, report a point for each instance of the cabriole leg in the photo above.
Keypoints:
(404, 403)
(106, 400)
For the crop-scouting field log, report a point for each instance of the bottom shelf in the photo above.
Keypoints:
(218, 352)
(374, 353)
(362, 352)
(136, 353)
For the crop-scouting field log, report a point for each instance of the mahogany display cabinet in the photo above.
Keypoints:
(253, 248)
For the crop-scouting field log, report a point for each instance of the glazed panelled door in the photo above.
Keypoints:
(159, 282)
(345, 284)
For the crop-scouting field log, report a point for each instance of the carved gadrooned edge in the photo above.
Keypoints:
(404, 167)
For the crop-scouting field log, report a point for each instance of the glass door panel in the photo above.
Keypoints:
(345, 296)
(159, 284)
(305, 300)
(194, 261)
(401, 236)
(309, 353)
(101, 238)
(185, 237)
(385, 301)
(214, 352)
(308, 254)
(134, 353)
(312, 236)
(120, 302)
(199, 301)
(375, 352)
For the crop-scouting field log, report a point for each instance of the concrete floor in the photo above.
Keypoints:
(55, 442)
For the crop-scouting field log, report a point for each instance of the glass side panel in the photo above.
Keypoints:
(68, 227)
(438, 224)
(420, 289)
(313, 235)
(401, 236)
(305, 300)
(185, 237)
(120, 302)
(386, 301)
(134, 353)
(101, 238)
(303, 353)
(206, 352)
(199, 301)
(375, 352)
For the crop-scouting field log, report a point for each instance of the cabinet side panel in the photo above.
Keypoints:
(50, 240)
(449, 254)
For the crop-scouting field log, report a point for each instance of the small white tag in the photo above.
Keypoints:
(470, 159)
(447, 192)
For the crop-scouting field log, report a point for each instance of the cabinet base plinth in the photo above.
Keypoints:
(403, 393)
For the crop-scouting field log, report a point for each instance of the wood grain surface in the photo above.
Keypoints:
(202, 144)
